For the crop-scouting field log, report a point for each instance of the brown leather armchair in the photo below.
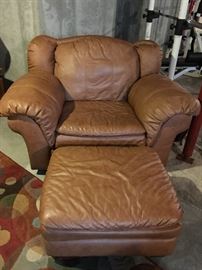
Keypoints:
(95, 90)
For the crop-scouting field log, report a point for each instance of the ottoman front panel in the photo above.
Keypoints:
(108, 193)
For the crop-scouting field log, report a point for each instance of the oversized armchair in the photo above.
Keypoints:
(95, 90)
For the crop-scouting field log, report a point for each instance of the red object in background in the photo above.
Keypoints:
(192, 135)
(191, 6)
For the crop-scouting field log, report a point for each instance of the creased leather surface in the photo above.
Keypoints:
(150, 55)
(99, 118)
(107, 189)
(96, 67)
(41, 53)
(64, 140)
(38, 95)
(155, 99)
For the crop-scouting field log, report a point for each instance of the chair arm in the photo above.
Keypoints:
(150, 56)
(155, 99)
(38, 148)
(38, 95)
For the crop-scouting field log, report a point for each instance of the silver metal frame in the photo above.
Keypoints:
(184, 5)
(149, 24)
(177, 40)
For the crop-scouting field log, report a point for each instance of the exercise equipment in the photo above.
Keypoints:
(180, 26)
(191, 60)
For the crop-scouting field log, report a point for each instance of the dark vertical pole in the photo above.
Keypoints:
(2, 91)
(128, 18)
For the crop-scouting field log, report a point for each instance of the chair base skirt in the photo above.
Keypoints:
(106, 247)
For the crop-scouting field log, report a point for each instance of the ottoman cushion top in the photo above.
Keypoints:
(107, 189)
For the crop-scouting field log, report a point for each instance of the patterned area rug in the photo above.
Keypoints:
(19, 223)
(21, 245)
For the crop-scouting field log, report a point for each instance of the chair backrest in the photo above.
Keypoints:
(89, 67)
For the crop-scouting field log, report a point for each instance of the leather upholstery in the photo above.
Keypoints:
(120, 198)
(167, 134)
(38, 95)
(99, 118)
(150, 56)
(155, 99)
(38, 148)
(41, 53)
(96, 69)
(63, 140)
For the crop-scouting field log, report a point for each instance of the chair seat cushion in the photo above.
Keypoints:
(95, 119)
(108, 201)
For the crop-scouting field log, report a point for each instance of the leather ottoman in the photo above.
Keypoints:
(100, 201)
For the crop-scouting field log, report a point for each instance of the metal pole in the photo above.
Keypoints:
(177, 39)
(149, 24)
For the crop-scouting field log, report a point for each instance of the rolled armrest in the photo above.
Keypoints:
(38, 95)
(150, 55)
(155, 99)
